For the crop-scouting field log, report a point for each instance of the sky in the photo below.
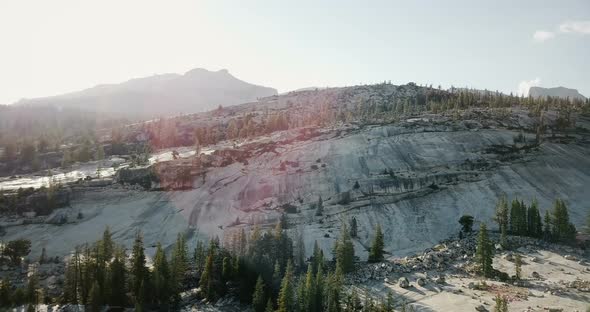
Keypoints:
(53, 47)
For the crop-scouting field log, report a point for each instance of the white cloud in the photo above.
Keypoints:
(525, 85)
(541, 35)
(576, 27)
(581, 27)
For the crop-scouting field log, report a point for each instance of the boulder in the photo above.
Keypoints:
(403, 282)
(440, 279)
(480, 308)
(570, 257)
(508, 257)
(535, 274)
(421, 282)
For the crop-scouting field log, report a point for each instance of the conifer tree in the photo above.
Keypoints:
(353, 228)
(344, 250)
(206, 281)
(138, 267)
(200, 256)
(258, 298)
(117, 279)
(179, 263)
(161, 273)
(484, 252)
(5, 293)
(286, 301)
(319, 288)
(107, 244)
(535, 225)
(226, 270)
(563, 230)
(547, 226)
(269, 307)
(32, 286)
(317, 257)
(376, 251)
(95, 301)
(310, 290)
(501, 216)
(319, 207)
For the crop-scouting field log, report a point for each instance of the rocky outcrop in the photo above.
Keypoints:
(560, 92)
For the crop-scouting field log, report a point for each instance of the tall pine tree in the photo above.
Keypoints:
(484, 252)
(376, 251)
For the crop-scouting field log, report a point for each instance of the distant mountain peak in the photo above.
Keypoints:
(561, 92)
(162, 95)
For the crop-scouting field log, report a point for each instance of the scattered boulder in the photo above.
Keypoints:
(403, 282)
(508, 257)
(480, 308)
(570, 257)
(421, 282)
(535, 274)
(440, 279)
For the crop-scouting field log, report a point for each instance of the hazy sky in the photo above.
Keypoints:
(57, 46)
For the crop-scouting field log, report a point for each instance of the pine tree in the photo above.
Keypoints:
(535, 225)
(501, 216)
(72, 276)
(107, 244)
(547, 226)
(117, 280)
(300, 250)
(32, 286)
(179, 262)
(353, 228)
(286, 301)
(344, 250)
(5, 293)
(333, 289)
(310, 290)
(503, 236)
(200, 256)
(95, 301)
(376, 251)
(319, 289)
(319, 207)
(484, 252)
(317, 257)
(390, 304)
(563, 230)
(161, 273)
(138, 267)
(269, 307)
(206, 281)
(258, 296)
(226, 270)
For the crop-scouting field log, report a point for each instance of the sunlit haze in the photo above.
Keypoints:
(54, 47)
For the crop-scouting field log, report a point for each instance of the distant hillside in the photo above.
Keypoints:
(160, 95)
(556, 92)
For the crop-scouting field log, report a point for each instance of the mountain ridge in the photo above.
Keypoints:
(162, 94)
